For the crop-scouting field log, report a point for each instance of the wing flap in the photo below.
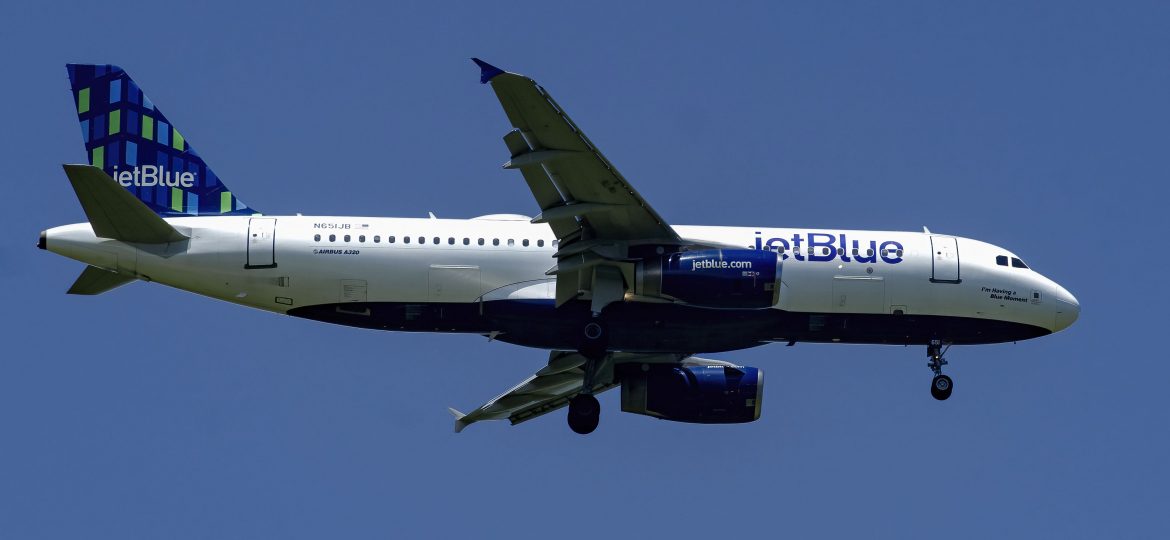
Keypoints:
(539, 183)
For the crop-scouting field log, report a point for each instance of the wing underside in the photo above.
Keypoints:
(604, 229)
(596, 215)
(552, 387)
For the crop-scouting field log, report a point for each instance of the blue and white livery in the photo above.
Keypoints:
(618, 297)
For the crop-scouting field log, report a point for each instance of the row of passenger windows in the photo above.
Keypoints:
(377, 239)
(1002, 260)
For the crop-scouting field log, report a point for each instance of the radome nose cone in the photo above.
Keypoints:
(1068, 311)
(43, 240)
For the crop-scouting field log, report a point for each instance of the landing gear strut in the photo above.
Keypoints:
(584, 409)
(941, 385)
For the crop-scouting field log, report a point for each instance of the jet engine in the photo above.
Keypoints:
(714, 278)
(698, 394)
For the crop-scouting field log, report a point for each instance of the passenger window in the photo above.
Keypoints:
(511, 242)
(480, 241)
(347, 238)
(899, 253)
(540, 243)
(467, 241)
(377, 239)
(525, 242)
(422, 240)
(1001, 260)
(824, 251)
(841, 252)
(451, 240)
(333, 238)
(362, 238)
(436, 240)
(389, 239)
(495, 241)
(1016, 263)
(405, 239)
(316, 238)
(869, 253)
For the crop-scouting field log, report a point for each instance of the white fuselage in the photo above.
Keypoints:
(279, 263)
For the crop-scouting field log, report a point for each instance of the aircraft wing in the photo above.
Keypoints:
(553, 386)
(596, 214)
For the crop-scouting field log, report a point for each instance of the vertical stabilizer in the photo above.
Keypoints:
(126, 136)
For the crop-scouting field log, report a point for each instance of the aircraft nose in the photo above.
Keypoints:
(1067, 309)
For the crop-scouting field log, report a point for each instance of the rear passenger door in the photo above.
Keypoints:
(261, 243)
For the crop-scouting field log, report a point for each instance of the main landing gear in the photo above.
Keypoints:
(584, 413)
(584, 409)
(941, 385)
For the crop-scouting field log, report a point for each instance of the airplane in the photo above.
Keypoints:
(618, 296)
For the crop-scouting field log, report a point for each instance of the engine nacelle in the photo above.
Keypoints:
(695, 394)
(715, 278)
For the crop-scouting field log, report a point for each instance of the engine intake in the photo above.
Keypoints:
(715, 278)
(695, 394)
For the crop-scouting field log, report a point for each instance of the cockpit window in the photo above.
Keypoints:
(1001, 260)
(1016, 263)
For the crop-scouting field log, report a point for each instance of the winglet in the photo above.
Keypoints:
(486, 71)
(459, 423)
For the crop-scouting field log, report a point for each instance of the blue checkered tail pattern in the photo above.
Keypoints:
(130, 139)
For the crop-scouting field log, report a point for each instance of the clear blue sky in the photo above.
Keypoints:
(151, 413)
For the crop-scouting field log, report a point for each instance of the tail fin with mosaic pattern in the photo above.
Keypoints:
(128, 137)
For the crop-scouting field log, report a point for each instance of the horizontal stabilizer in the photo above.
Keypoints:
(94, 280)
(114, 212)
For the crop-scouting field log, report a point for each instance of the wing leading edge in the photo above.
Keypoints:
(596, 215)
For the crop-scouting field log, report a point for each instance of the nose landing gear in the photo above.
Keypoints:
(941, 385)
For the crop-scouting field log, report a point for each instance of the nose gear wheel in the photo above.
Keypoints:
(942, 385)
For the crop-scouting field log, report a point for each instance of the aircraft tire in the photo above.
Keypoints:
(940, 387)
(584, 414)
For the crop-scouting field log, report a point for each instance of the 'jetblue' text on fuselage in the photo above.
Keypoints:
(815, 246)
